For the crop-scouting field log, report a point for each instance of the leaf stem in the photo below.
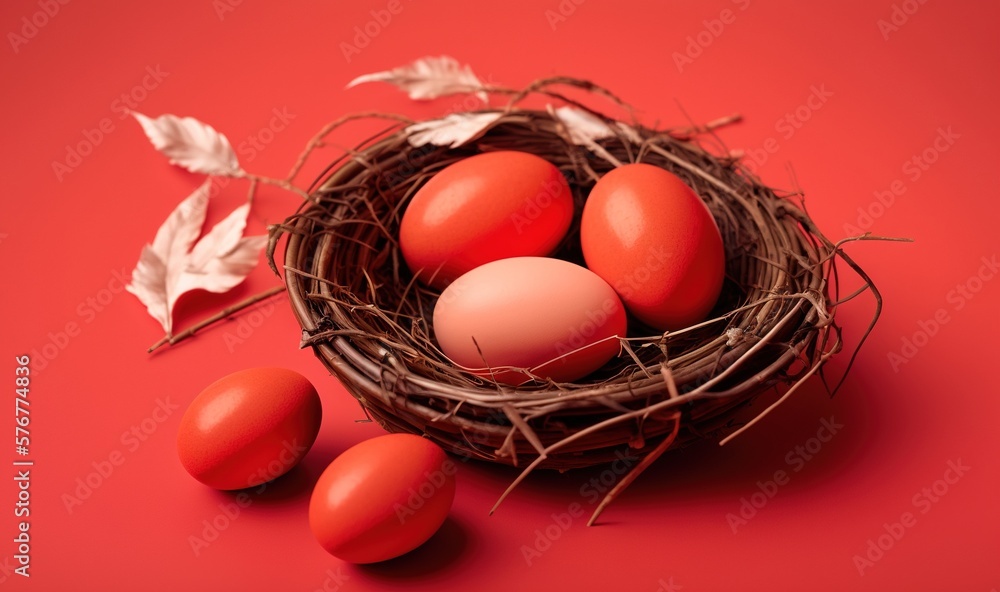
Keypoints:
(224, 313)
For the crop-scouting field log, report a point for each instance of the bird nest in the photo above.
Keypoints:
(368, 321)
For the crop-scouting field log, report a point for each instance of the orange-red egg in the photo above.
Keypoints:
(249, 427)
(382, 498)
(529, 316)
(650, 236)
(483, 208)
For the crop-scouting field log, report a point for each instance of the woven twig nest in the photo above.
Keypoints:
(368, 321)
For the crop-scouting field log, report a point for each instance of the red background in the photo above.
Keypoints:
(64, 243)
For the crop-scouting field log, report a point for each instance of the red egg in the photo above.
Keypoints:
(551, 317)
(649, 235)
(249, 427)
(382, 498)
(483, 208)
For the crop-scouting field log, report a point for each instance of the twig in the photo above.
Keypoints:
(287, 186)
(226, 312)
(638, 470)
(696, 129)
(319, 139)
(668, 379)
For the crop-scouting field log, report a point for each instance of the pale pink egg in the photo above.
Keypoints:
(550, 317)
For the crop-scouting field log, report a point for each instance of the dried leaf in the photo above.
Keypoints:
(453, 130)
(174, 264)
(429, 78)
(585, 128)
(191, 144)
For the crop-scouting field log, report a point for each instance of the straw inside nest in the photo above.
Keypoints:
(368, 321)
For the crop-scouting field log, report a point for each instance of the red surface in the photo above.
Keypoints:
(850, 113)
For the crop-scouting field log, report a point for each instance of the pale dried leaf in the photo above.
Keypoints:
(175, 264)
(223, 273)
(149, 281)
(453, 130)
(429, 78)
(191, 144)
(168, 253)
(220, 240)
(584, 127)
